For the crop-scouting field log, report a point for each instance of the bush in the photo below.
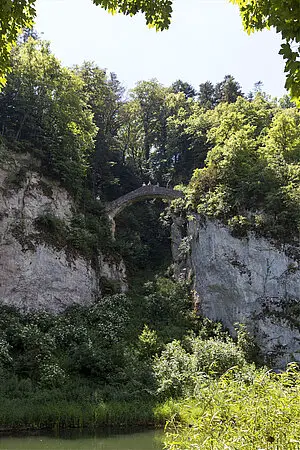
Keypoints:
(174, 371)
(168, 307)
(215, 357)
(84, 235)
(177, 371)
(260, 413)
(51, 375)
(5, 358)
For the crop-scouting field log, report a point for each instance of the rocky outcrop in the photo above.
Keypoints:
(35, 275)
(244, 280)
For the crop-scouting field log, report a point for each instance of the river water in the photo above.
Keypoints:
(146, 440)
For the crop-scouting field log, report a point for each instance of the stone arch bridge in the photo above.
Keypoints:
(142, 193)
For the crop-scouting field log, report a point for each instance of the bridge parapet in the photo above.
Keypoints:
(142, 193)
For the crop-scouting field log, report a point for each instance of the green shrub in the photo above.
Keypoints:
(260, 413)
(168, 308)
(148, 343)
(5, 357)
(84, 235)
(174, 371)
(215, 357)
(177, 370)
(251, 176)
(51, 375)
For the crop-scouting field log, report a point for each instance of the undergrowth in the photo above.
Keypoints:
(249, 410)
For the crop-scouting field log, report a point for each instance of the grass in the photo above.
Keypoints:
(261, 412)
(17, 414)
(246, 409)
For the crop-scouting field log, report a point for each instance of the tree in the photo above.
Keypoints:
(131, 136)
(104, 96)
(150, 96)
(251, 176)
(286, 102)
(284, 17)
(45, 105)
(17, 15)
(206, 95)
(227, 90)
(157, 13)
(14, 16)
(183, 86)
(187, 141)
(256, 15)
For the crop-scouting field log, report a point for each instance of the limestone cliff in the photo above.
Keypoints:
(34, 274)
(247, 280)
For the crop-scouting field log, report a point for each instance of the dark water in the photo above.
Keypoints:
(146, 440)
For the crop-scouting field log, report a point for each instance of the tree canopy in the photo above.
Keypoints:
(157, 13)
(251, 175)
(17, 15)
(243, 150)
(14, 16)
(44, 104)
(282, 15)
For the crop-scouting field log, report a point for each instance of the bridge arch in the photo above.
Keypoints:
(142, 193)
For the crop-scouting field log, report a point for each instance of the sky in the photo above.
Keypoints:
(205, 41)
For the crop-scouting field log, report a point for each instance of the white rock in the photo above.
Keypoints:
(247, 281)
(34, 275)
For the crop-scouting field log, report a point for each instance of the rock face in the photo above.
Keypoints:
(33, 274)
(246, 280)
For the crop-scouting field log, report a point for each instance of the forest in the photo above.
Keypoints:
(146, 357)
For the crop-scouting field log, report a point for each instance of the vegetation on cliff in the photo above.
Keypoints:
(147, 350)
(244, 149)
(251, 178)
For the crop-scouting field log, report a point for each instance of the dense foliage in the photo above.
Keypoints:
(242, 410)
(283, 16)
(88, 355)
(93, 341)
(14, 16)
(88, 361)
(177, 370)
(117, 359)
(44, 104)
(157, 14)
(251, 175)
(100, 146)
(99, 365)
